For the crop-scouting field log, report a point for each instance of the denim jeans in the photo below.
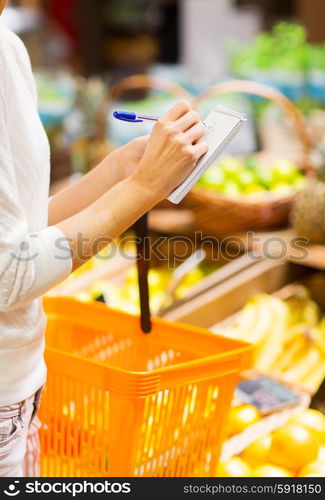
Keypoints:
(14, 425)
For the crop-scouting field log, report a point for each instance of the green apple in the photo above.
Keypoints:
(214, 177)
(264, 174)
(284, 170)
(250, 163)
(231, 166)
(231, 189)
(246, 178)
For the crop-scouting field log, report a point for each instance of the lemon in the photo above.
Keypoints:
(241, 417)
(321, 453)
(269, 470)
(314, 474)
(257, 452)
(313, 420)
(316, 467)
(293, 446)
(234, 467)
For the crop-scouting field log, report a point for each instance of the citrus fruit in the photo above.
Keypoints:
(321, 453)
(316, 467)
(314, 474)
(314, 420)
(241, 417)
(257, 452)
(293, 446)
(234, 467)
(269, 470)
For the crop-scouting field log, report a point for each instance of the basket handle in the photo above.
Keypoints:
(139, 81)
(135, 82)
(141, 226)
(273, 95)
(147, 82)
(141, 232)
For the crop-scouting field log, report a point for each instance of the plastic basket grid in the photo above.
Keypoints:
(121, 403)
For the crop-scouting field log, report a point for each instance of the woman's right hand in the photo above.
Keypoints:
(172, 151)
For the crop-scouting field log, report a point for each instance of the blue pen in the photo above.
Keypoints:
(129, 116)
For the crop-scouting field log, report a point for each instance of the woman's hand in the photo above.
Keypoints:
(123, 161)
(131, 154)
(172, 151)
(167, 159)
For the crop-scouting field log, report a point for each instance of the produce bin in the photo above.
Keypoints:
(220, 215)
(293, 350)
(122, 403)
(227, 297)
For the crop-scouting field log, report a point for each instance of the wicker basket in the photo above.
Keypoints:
(217, 215)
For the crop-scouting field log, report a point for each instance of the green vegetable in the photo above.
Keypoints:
(284, 47)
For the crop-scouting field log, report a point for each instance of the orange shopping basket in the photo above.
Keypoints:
(121, 403)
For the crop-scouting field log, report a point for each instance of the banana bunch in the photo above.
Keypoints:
(303, 356)
(288, 335)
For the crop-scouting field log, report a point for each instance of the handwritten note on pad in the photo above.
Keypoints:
(221, 127)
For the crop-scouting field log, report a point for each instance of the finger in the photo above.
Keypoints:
(179, 109)
(187, 121)
(200, 149)
(195, 133)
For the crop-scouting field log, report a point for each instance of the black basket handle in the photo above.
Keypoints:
(143, 264)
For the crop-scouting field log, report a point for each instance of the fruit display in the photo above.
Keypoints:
(112, 277)
(308, 213)
(296, 449)
(289, 336)
(236, 177)
(124, 294)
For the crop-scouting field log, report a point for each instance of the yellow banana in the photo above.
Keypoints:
(272, 345)
(253, 322)
(321, 328)
(282, 345)
(302, 308)
(243, 324)
(264, 319)
(311, 357)
(293, 347)
(311, 313)
(247, 319)
(315, 376)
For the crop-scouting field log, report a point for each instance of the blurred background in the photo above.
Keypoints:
(80, 49)
(265, 58)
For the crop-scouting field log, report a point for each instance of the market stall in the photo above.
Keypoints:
(193, 344)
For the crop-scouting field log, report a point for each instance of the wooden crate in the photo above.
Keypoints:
(225, 299)
(231, 294)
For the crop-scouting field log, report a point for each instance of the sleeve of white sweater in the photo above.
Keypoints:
(30, 263)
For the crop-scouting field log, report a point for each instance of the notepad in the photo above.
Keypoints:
(222, 125)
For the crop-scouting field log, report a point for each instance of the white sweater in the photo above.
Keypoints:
(33, 257)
